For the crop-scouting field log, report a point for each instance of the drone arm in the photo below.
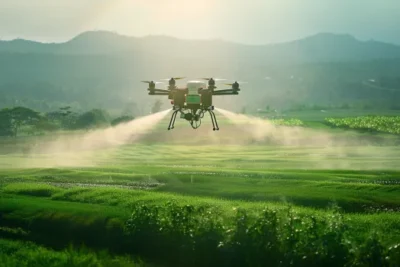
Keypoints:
(225, 92)
(158, 90)
(158, 93)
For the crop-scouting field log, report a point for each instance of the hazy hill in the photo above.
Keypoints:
(105, 69)
(320, 47)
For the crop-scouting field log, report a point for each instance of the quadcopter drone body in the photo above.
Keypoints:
(192, 101)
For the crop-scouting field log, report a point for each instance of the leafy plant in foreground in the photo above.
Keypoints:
(197, 236)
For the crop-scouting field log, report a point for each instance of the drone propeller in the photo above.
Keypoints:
(175, 78)
(239, 82)
(215, 79)
(150, 82)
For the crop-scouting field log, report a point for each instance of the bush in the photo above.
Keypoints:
(385, 124)
(198, 236)
(121, 119)
(92, 119)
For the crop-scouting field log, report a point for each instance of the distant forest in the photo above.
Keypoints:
(100, 70)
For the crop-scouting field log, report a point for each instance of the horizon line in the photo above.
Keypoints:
(192, 39)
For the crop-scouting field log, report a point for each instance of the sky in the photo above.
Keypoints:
(241, 21)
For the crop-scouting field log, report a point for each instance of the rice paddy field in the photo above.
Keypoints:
(252, 194)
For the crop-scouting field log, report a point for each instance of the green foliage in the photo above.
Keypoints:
(385, 124)
(183, 231)
(5, 123)
(189, 232)
(199, 236)
(11, 120)
(156, 106)
(20, 254)
(91, 119)
(224, 209)
(122, 119)
(287, 122)
(63, 118)
(45, 126)
(33, 189)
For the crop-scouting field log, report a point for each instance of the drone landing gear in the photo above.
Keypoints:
(195, 122)
(172, 121)
(214, 120)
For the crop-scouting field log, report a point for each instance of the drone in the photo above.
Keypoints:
(193, 100)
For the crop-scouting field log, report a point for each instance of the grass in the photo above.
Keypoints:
(354, 192)
(320, 115)
(180, 204)
(20, 254)
(178, 228)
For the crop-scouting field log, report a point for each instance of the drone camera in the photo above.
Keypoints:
(188, 116)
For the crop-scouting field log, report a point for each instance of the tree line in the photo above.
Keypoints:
(25, 121)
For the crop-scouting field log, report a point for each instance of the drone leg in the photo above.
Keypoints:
(172, 121)
(215, 120)
(215, 127)
(212, 120)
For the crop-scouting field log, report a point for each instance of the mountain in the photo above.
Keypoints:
(104, 69)
(334, 47)
(317, 48)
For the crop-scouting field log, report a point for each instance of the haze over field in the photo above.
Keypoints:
(244, 140)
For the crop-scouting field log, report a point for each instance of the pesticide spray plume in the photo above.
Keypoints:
(263, 131)
(315, 148)
(82, 149)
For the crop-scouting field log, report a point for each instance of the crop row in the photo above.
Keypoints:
(199, 236)
(287, 122)
(185, 231)
(385, 124)
(173, 234)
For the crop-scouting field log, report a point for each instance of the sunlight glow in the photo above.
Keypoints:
(147, 17)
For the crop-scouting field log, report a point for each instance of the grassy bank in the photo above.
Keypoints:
(20, 254)
(172, 229)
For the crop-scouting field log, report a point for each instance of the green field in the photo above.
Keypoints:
(247, 195)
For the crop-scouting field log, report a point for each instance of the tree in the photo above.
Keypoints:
(130, 109)
(45, 125)
(13, 119)
(91, 119)
(157, 106)
(5, 123)
(121, 119)
(64, 117)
